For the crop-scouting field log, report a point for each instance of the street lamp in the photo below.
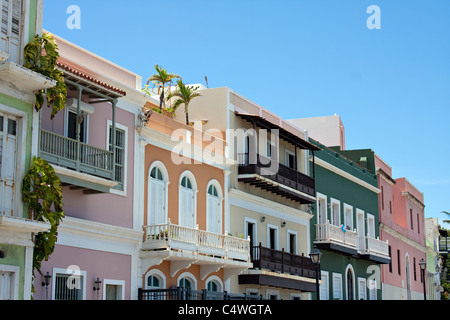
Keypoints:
(316, 255)
(46, 283)
(423, 266)
(97, 284)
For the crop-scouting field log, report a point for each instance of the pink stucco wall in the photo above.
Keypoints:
(105, 208)
(404, 241)
(104, 265)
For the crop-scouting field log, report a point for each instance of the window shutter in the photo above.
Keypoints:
(337, 288)
(362, 290)
(11, 28)
(5, 286)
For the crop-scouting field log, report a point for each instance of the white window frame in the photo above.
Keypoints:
(248, 220)
(162, 168)
(15, 272)
(325, 275)
(288, 240)
(337, 276)
(68, 271)
(120, 287)
(324, 198)
(288, 152)
(362, 295)
(360, 212)
(335, 203)
(190, 276)
(191, 177)
(348, 207)
(21, 147)
(216, 184)
(159, 274)
(350, 267)
(125, 162)
(370, 226)
(272, 292)
(277, 235)
(216, 279)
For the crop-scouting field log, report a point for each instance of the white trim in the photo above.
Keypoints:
(338, 203)
(360, 212)
(346, 175)
(119, 283)
(190, 276)
(362, 280)
(325, 284)
(216, 184)
(349, 207)
(15, 271)
(158, 273)
(288, 242)
(191, 176)
(349, 266)
(272, 292)
(217, 279)
(339, 277)
(69, 271)
(277, 236)
(21, 148)
(322, 197)
(371, 217)
(125, 164)
(158, 164)
(255, 231)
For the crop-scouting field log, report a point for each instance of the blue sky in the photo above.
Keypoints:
(300, 58)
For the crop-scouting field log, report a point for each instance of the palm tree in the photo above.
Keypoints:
(447, 213)
(160, 79)
(185, 95)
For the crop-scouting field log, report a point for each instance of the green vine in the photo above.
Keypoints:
(41, 56)
(42, 191)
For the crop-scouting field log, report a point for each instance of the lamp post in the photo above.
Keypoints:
(97, 284)
(46, 283)
(423, 266)
(316, 255)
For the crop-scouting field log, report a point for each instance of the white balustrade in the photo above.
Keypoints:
(178, 237)
(328, 232)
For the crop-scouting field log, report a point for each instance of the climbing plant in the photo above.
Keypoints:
(41, 56)
(42, 192)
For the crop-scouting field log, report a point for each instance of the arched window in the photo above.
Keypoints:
(157, 194)
(155, 281)
(214, 284)
(187, 280)
(214, 207)
(187, 200)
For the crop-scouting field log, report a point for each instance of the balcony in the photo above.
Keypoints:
(444, 246)
(373, 249)
(280, 269)
(184, 246)
(334, 238)
(276, 178)
(72, 156)
(181, 293)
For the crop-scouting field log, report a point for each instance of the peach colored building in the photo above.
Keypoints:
(185, 242)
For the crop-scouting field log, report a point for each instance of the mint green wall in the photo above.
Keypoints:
(15, 256)
(28, 108)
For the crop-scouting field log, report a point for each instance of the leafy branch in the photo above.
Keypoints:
(41, 56)
(42, 191)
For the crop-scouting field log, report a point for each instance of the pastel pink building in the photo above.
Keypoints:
(98, 241)
(402, 224)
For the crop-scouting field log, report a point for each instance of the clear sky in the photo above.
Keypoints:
(300, 58)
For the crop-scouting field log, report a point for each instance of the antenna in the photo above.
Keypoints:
(206, 79)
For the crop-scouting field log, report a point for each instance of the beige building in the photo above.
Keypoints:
(267, 192)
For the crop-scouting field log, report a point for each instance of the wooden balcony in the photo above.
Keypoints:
(274, 177)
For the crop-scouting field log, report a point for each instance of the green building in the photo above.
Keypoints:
(345, 228)
(21, 20)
